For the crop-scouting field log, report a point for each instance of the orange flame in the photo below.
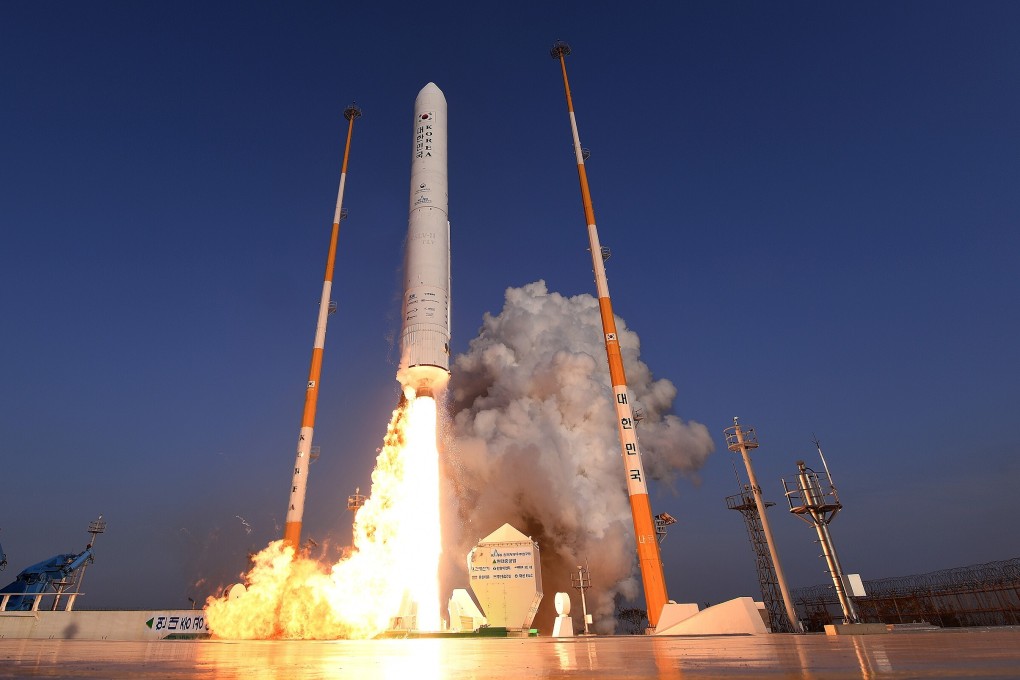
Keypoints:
(391, 572)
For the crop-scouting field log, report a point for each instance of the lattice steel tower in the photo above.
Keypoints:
(770, 594)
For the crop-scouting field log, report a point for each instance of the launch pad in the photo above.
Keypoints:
(483, 632)
(956, 653)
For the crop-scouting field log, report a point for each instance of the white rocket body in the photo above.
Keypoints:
(425, 337)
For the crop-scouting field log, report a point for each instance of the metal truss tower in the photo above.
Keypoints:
(744, 503)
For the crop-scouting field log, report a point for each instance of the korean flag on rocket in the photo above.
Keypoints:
(423, 134)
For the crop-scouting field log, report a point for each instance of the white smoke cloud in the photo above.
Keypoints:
(534, 441)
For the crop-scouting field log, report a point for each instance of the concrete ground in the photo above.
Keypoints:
(956, 653)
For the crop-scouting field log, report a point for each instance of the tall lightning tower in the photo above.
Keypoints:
(649, 558)
(299, 480)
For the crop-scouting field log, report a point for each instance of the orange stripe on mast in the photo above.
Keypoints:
(331, 259)
(312, 393)
(649, 558)
(299, 479)
(563, 67)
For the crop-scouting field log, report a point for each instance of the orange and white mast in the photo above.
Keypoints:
(299, 481)
(649, 558)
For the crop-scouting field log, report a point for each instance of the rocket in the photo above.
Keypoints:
(425, 335)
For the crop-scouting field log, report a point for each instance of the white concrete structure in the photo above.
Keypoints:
(505, 571)
(564, 625)
(854, 585)
(465, 616)
(104, 625)
(407, 615)
(737, 616)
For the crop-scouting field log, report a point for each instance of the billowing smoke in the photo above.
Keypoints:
(534, 442)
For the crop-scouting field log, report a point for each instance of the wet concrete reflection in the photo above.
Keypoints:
(988, 653)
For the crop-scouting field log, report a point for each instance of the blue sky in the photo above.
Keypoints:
(812, 211)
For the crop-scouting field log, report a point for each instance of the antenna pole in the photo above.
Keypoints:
(818, 445)
(299, 480)
(649, 558)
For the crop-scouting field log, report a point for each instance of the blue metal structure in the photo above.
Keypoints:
(52, 576)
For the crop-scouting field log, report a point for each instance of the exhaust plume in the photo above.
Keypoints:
(534, 442)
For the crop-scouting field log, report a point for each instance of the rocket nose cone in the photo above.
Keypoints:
(430, 91)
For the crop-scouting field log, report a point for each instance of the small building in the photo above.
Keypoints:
(505, 572)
